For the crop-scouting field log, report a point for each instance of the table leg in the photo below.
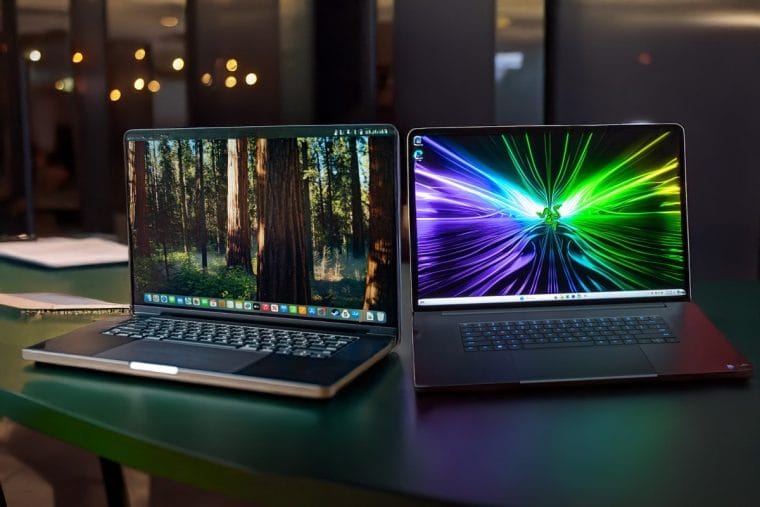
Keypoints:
(113, 481)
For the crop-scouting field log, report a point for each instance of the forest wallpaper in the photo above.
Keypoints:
(308, 221)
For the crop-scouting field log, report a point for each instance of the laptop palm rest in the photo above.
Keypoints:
(593, 363)
(183, 356)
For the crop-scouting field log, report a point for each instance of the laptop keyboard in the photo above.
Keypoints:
(586, 332)
(261, 339)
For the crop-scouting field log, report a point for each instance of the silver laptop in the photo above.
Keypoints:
(261, 258)
(554, 254)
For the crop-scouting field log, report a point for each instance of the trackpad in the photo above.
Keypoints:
(183, 356)
(592, 363)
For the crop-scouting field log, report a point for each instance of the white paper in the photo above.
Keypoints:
(66, 252)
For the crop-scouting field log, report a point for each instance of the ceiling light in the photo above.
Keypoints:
(232, 65)
(77, 57)
(230, 82)
(251, 78)
(60, 85)
(154, 86)
(35, 55)
(178, 64)
(68, 84)
(503, 22)
(139, 83)
(140, 54)
(169, 21)
(206, 79)
(114, 95)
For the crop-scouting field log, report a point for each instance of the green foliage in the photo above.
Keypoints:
(146, 272)
(231, 282)
(187, 278)
(345, 293)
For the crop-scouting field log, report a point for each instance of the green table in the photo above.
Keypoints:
(379, 443)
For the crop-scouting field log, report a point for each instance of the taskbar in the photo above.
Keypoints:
(538, 298)
(241, 305)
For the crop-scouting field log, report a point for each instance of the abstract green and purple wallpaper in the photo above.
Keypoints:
(544, 211)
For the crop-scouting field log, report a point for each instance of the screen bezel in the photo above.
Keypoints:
(270, 131)
(675, 128)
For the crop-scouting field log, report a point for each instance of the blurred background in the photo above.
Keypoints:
(75, 74)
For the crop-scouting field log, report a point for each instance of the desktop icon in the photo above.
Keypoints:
(312, 310)
(156, 298)
(180, 300)
(265, 307)
(196, 301)
(293, 309)
(247, 305)
(148, 298)
(230, 304)
(172, 299)
(164, 299)
(345, 314)
(417, 155)
(301, 310)
(213, 303)
(417, 140)
(370, 316)
(284, 308)
(321, 311)
(238, 305)
(204, 302)
(380, 316)
(355, 314)
(335, 312)
(275, 308)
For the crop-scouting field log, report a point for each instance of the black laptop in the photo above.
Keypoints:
(554, 254)
(261, 258)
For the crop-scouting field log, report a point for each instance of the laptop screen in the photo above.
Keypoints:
(296, 222)
(527, 215)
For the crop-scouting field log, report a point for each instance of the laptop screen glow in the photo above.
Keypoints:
(537, 214)
(289, 221)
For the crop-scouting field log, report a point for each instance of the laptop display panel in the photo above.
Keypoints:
(260, 222)
(547, 215)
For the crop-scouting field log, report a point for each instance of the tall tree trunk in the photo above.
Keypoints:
(154, 191)
(160, 217)
(332, 230)
(321, 212)
(215, 198)
(357, 215)
(282, 266)
(220, 200)
(138, 197)
(183, 195)
(381, 282)
(308, 232)
(201, 211)
(238, 228)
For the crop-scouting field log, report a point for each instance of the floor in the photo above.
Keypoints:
(36, 470)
